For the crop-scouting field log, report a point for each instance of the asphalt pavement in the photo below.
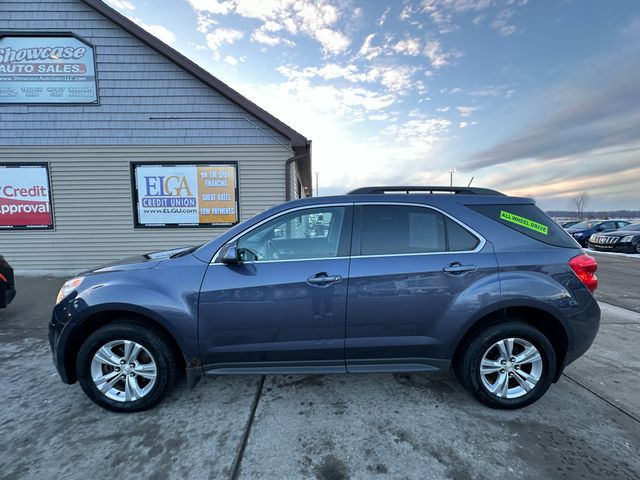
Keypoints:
(381, 426)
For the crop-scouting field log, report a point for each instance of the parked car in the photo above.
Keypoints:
(7, 283)
(569, 224)
(406, 282)
(627, 239)
(583, 230)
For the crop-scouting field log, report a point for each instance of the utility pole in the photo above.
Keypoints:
(317, 188)
(451, 172)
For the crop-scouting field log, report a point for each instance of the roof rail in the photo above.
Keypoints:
(425, 189)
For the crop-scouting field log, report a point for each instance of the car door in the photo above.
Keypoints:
(281, 308)
(409, 265)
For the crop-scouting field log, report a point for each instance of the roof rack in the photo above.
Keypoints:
(425, 189)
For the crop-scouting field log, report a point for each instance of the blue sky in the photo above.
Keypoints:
(535, 98)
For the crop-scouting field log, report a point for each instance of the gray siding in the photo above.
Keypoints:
(93, 207)
(140, 91)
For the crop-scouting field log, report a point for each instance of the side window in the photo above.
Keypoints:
(622, 224)
(309, 233)
(607, 226)
(400, 229)
(459, 238)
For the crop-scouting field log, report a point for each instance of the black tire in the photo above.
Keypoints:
(155, 344)
(467, 366)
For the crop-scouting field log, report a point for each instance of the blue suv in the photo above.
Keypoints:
(384, 279)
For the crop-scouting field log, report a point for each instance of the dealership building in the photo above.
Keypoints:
(114, 144)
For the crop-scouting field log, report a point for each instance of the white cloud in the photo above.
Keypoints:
(466, 111)
(503, 24)
(205, 23)
(409, 46)
(158, 31)
(442, 109)
(231, 60)
(124, 5)
(437, 56)
(314, 18)
(383, 17)
(220, 36)
(263, 37)
(463, 124)
(212, 6)
(367, 51)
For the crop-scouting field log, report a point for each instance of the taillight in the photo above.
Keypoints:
(585, 267)
(3, 278)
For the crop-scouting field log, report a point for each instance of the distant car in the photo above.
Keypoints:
(569, 224)
(583, 230)
(627, 239)
(7, 285)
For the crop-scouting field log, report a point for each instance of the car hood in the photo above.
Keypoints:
(138, 262)
(621, 233)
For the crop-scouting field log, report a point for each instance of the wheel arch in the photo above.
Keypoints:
(99, 319)
(548, 323)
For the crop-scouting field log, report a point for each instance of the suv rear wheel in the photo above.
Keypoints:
(507, 366)
(126, 367)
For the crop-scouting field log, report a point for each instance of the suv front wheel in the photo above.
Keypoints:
(126, 367)
(507, 366)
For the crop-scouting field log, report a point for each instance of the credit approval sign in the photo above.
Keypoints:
(25, 198)
(186, 195)
(46, 69)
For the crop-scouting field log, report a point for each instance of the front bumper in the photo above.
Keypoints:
(59, 338)
(617, 247)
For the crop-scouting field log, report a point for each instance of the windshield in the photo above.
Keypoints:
(635, 227)
(583, 225)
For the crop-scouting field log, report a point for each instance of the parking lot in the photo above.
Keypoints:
(385, 426)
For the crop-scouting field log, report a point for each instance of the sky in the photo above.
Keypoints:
(531, 97)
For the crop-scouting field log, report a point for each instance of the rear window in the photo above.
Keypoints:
(529, 220)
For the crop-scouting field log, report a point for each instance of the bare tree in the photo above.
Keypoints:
(579, 203)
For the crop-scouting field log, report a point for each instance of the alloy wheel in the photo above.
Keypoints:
(511, 368)
(123, 370)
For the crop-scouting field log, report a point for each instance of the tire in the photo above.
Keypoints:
(135, 388)
(484, 348)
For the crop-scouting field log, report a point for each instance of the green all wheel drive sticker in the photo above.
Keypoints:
(524, 222)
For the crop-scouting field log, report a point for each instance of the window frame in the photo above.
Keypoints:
(347, 232)
(356, 237)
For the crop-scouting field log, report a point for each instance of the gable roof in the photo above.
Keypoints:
(301, 146)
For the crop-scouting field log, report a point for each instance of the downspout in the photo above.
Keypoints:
(287, 172)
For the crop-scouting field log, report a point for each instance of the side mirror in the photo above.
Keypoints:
(229, 254)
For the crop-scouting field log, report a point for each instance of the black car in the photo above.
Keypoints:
(582, 231)
(7, 285)
(627, 239)
(569, 224)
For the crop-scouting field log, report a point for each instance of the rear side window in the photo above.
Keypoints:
(402, 229)
(529, 220)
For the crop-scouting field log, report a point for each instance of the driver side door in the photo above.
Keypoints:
(282, 307)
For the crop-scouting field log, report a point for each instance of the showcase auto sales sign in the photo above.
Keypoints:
(24, 197)
(43, 69)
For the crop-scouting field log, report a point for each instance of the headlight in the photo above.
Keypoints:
(628, 238)
(68, 287)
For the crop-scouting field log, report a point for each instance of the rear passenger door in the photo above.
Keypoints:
(409, 265)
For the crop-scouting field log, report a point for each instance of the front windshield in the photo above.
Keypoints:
(583, 225)
(635, 227)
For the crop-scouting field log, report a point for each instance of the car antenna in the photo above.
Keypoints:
(470, 181)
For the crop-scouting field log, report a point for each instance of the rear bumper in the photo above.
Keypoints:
(6, 296)
(584, 328)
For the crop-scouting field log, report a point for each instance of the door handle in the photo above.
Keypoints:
(459, 269)
(322, 279)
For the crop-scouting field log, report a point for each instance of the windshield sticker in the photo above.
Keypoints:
(524, 222)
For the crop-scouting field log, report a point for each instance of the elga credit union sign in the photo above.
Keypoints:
(43, 69)
(25, 201)
(201, 194)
